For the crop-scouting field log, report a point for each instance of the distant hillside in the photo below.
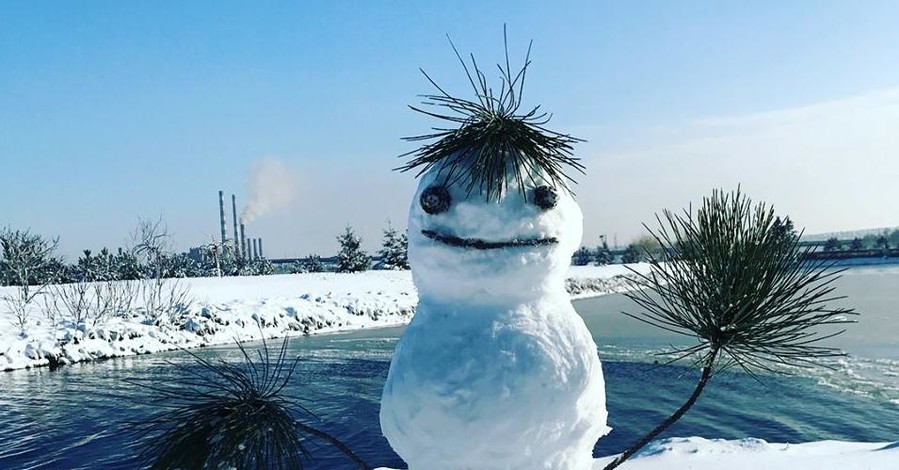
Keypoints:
(849, 234)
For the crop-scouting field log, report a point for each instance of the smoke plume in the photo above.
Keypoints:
(272, 186)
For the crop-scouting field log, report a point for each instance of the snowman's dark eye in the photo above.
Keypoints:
(435, 199)
(546, 197)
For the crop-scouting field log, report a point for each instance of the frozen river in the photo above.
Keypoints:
(75, 417)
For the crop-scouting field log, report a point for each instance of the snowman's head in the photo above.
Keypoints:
(517, 244)
(493, 218)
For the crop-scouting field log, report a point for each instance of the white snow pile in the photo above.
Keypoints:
(696, 453)
(245, 308)
(585, 281)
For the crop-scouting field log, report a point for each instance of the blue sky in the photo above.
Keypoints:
(114, 110)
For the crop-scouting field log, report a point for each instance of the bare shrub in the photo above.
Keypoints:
(27, 260)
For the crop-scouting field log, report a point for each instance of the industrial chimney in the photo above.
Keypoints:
(222, 214)
(260, 249)
(243, 242)
(255, 248)
(234, 221)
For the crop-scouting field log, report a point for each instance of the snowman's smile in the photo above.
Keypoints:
(479, 244)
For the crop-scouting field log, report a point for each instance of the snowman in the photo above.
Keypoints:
(496, 369)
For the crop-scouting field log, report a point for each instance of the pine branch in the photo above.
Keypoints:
(494, 142)
(734, 277)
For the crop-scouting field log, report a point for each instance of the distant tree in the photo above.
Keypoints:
(27, 260)
(648, 246)
(882, 243)
(161, 298)
(833, 244)
(394, 249)
(856, 244)
(180, 265)
(261, 267)
(313, 264)
(632, 254)
(55, 272)
(894, 238)
(869, 240)
(84, 268)
(150, 244)
(100, 267)
(212, 254)
(230, 265)
(784, 228)
(582, 257)
(351, 257)
(127, 266)
(603, 254)
(296, 268)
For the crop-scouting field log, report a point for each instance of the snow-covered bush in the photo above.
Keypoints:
(312, 264)
(603, 255)
(582, 257)
(351, 257)
(394, 250)
(27, 261)
(262, 267)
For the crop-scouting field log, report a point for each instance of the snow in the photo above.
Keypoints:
(496, 370)
(696, 453)
(226, 309)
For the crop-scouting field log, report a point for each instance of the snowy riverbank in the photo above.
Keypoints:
(696, 453)
(246, 308)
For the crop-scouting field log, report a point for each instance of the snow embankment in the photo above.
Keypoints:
(245, 308)
(696, 453)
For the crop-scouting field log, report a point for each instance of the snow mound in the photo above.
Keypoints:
(696, 453)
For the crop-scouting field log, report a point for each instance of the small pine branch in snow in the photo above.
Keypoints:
(231, 416)
(734, 277)
(351, 257)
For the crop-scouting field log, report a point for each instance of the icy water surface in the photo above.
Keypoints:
(74, 418)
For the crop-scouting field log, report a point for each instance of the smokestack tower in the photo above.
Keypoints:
(234, 221)
(243, 241)
(255, 248)
(222, 214)
(260, 249)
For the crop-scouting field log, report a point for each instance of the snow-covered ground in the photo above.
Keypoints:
(245, 308)
(696, 453)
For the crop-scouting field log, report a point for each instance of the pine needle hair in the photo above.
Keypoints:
(495, 140)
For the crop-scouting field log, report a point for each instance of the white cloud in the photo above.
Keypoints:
(830, 166)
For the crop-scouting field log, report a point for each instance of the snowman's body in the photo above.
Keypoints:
(496, 370)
